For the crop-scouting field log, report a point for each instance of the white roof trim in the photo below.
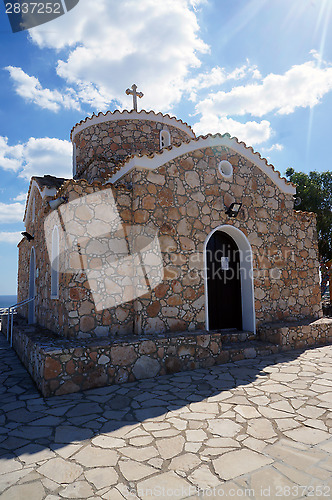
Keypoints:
(159, 159)
(131, 115)
(43, 192)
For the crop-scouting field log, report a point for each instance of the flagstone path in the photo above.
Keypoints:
(259, 428)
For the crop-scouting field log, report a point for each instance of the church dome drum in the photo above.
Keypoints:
(102, 141)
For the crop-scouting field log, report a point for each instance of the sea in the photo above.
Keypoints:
(7, 300)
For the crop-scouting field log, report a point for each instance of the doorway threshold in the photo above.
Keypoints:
(233, 335)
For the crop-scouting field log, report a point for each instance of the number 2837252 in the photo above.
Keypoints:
(33, 8)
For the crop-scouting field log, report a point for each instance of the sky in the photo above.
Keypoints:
(260, 70)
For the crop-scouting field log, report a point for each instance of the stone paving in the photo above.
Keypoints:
(257, 428)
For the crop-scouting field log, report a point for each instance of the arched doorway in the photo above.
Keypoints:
(32, 286)
(229, 289)
(223, 282)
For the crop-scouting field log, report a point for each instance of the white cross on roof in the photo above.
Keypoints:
(135, 94)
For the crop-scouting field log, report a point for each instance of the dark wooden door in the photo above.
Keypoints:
(223, 282)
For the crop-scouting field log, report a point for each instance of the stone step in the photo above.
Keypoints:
(235, 336)
(233, 351)
(300, 334)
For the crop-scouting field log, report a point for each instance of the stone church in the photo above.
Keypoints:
(163, 233)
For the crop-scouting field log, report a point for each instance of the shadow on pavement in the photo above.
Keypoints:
(30, 423)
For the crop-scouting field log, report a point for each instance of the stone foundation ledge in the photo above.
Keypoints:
(297, 335)
(59, 366)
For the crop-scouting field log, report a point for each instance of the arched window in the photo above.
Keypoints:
(165, 139)
(55, 264)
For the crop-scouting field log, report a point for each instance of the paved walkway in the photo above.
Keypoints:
(258, 428)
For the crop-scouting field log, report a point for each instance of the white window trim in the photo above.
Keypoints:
(165, 139)
(55, 263)
(226, 169)
(34, 189)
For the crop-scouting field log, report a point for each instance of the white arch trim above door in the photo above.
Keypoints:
(247, 277)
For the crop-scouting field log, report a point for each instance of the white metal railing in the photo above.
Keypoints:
(10, 318)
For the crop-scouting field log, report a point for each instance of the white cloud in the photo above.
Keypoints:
(196, 3)
(31, 90)
(10, 156)
(20, 197)
(12, 212)
(245, 70)
(97, 98)
(274, 147)
(301, 86)
(111, 44)
(38, 156)
(218, 76)
(251, 132)
(47, 156)
(12, 238)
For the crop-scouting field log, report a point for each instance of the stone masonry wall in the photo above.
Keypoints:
(186, 200)
(48, 311)
(60, 366)
(23, 273)
(299, 335)
(183, 201)
(75, 312)
(116, 140)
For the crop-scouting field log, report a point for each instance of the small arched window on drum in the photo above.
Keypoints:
(165, 139)
(226, 169)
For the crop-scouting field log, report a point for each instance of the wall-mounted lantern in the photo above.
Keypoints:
(233, 209)
(28, 236)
